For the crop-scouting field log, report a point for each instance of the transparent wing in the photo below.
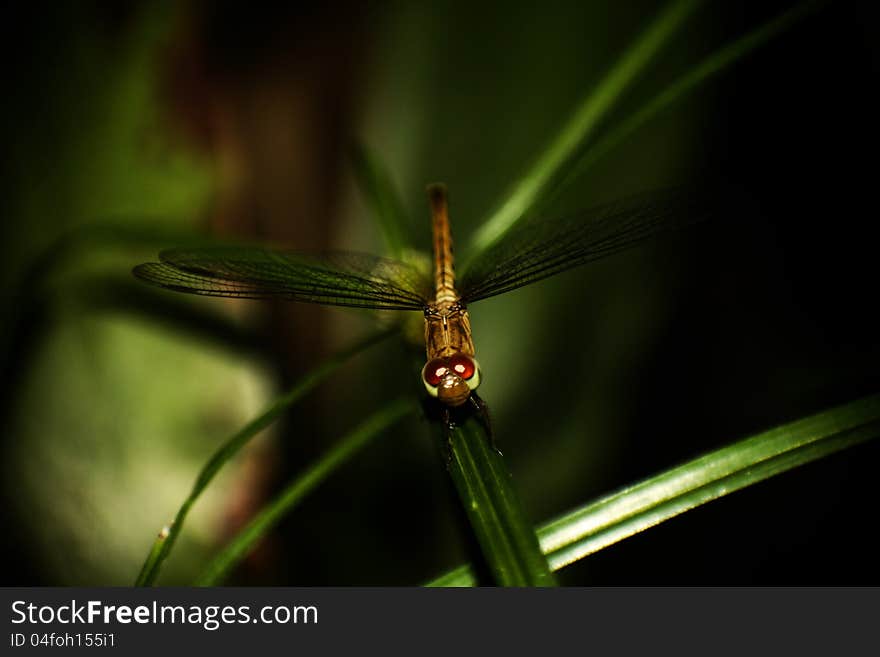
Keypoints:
(339, 278)
(539, 249)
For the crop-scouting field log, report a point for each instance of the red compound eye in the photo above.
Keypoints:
(435, 370)
(463, 366)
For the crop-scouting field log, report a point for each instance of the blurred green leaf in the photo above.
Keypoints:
(636, 508)
(711, 65)
(126, 295)
(560, 155)
(301, 486)
(485, 487)
(163, 545)
(152, 562)
(375, 182)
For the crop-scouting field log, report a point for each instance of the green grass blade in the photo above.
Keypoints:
(636, 508)
(155, 554)
(163, 545)
(301, 486)
(746, 462)
(712, 65)
(376, 184)
(554, 162)
(506, 537)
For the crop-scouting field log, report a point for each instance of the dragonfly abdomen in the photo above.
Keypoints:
(444, 262)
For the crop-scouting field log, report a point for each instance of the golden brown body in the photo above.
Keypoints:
(448, 332)
(447, 326)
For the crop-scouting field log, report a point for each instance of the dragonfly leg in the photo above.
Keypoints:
(442, 415)
(482, 410)
(448, 428)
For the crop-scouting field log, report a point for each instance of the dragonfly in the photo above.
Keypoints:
(531, 252)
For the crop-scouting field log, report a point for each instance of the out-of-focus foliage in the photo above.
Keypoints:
(107, 416)
(594, 379)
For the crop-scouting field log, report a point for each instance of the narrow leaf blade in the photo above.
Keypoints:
(376, 184)
(266, 519)
(559, 156)
(712, 65)
(506, 536)
(633, 509)
(163, 545)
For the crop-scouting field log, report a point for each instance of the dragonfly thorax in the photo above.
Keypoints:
(447, 331)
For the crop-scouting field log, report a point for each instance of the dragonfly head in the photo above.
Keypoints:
(451, 379)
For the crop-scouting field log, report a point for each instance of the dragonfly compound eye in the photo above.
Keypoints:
(473, 381)
(433, 372)
(462, 365)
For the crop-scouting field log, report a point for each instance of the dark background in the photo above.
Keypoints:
(235, 121)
